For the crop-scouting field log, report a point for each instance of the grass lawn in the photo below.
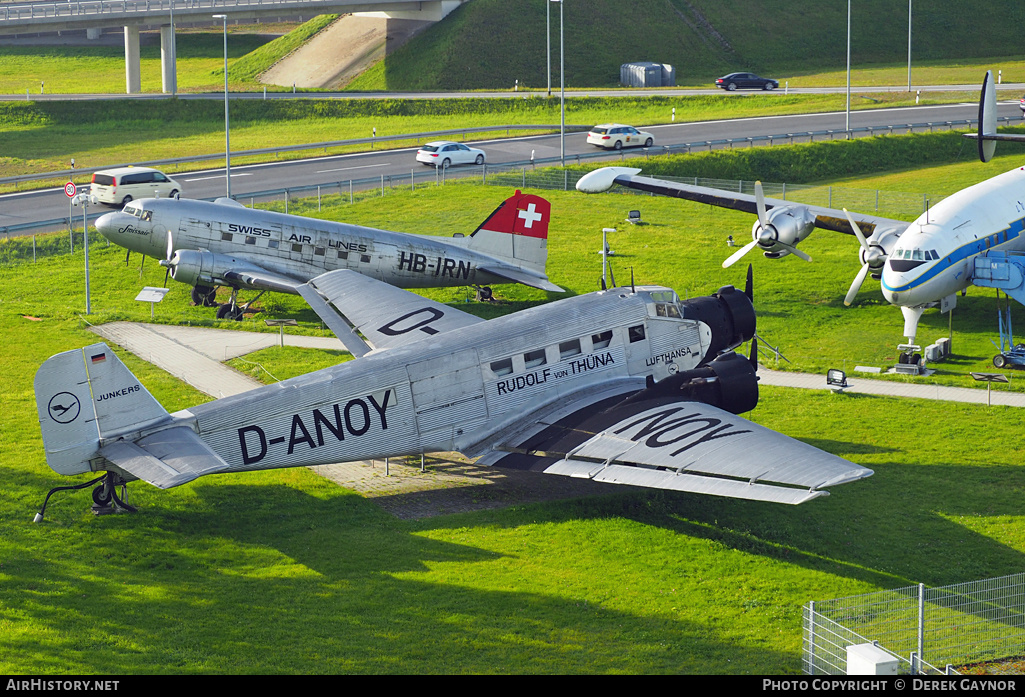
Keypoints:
(283, 572)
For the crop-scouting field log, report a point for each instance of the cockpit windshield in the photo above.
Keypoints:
(667, 303)
(138, 212)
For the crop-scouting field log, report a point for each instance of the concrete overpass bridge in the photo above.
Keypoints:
(133, 15)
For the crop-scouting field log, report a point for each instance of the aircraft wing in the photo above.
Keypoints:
(670, 444)
(825, 218)
(385, 315)
(254, 276)
(166, 458)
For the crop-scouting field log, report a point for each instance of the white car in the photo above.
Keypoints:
(616, 136)
(116, 187)
(445, 153)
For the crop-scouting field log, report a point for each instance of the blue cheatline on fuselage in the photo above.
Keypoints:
(1010, 234)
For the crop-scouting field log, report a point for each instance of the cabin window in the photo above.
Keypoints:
(532, 359)
(502, 367)
(600, 341)
(364, 258)
(319, 251)
(636, 333)
(273, 244)
(225, 237)
(569, 348)
(250, 240)
(343, 255)
(297, 248)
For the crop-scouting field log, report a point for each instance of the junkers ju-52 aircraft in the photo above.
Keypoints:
(920, 264)
(223, 243)
(628, 385)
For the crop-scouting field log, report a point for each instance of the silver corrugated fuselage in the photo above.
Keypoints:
(442, 395)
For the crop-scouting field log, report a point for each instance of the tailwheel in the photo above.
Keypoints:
(105, 498)
(484, 294)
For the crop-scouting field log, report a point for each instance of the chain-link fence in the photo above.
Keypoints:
(956, 625)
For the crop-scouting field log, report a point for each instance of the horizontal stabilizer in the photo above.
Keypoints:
(165, 459)
(522, 276)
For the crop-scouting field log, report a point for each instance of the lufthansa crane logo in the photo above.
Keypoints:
(64, 407)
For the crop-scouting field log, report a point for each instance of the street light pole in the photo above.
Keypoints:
(848, 68)
(548, 34)
(909, 45)
(227, 127)
(562, 84)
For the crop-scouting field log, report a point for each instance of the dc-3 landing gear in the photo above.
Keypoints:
(233, 310)
(484, 294)
(204, 296)
(105, 496)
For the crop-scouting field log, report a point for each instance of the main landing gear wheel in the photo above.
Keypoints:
(204, 296)
(228, 311)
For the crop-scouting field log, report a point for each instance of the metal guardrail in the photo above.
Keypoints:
(392, 180)
(291, 148)
(656, 150)
(99, 8)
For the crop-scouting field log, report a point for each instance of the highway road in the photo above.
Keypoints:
(46, 204)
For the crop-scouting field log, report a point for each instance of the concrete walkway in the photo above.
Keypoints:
(915, 387)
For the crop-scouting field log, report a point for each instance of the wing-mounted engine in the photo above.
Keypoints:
(728, 383)
(730, 316)
(198, 267)
(777, 232)
(873, 253)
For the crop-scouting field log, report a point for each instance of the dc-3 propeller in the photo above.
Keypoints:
(766, 234)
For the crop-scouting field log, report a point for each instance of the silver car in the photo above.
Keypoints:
(445, 153)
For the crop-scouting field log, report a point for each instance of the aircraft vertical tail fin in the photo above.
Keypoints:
(516, 232)
(83, 397)
(987, 134)
(987, 118)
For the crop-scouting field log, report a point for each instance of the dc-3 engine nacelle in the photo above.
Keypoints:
(730, 316)
(784, 226)
(729, 383)
(199, 267)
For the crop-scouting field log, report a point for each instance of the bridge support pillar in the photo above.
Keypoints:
(133, 81)
(168, 60)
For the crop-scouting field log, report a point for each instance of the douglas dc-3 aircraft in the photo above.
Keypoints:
(628, 385)
(921, 264)
(224, 243)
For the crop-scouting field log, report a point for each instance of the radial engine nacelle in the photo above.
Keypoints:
(197, 267)
(730, 316)
(783, 229)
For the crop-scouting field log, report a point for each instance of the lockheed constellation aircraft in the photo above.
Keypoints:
(223, 243)
(628, 385)
(921, 264)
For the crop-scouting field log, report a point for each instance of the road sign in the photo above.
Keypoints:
(69, 189)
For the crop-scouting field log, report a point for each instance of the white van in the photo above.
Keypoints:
(116, 187)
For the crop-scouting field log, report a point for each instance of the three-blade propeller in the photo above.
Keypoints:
(765, 236)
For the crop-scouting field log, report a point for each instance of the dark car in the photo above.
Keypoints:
(746, 81)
